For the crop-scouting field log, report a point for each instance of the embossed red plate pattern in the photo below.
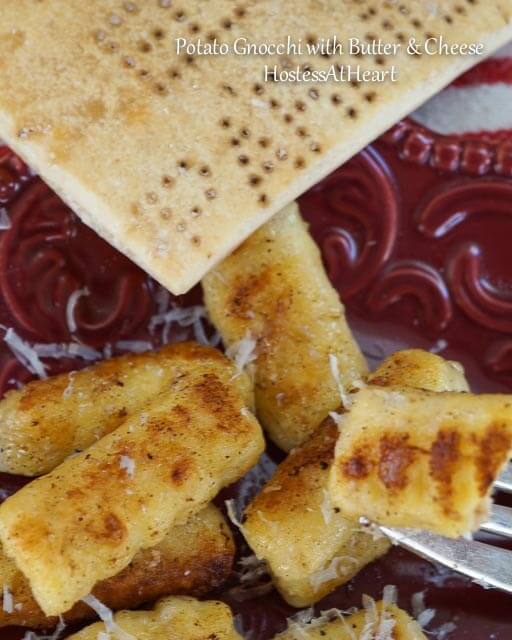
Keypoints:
(416, 235)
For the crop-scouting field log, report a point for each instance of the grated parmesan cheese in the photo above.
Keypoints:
(331, 572)
(377, 626)
(444, 630)
(193, 316)
(24, 353)
(107, 616)
(5, 221)
(231, 511)
(71, 306)
(335, 371)
(253, 571)
(418, 603)
(439, 346)
(389, 594)
(387, 622)
(371, 618)
(162, 298)
(32, 635)
(338, 418)
(305, 616)
(66, 394)
(303, 621)
(271, 488)
(423, 615)
(326, 507)
(128, 464)
(426, 617)
(61, 350)
(134, 346)
(242, 352)
(7, 600)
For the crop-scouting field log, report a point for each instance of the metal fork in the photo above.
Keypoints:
(488, 565)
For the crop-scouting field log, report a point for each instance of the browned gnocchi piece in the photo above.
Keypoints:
(86, 520)
(48, 420)
(274, 291)
(193, 559)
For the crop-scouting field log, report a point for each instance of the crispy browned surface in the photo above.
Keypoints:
(421, 370)
(48, 420)
(172, 619)
(293, 525)
(305, 469)
(175, 159)
(275, 289)
(421, 459)
(193, 559)
(361, 624)
(86, 520)
(286, 523)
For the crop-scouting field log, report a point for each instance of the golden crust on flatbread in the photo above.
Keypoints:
(176, 159)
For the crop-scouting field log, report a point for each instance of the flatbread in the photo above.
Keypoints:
(177, 159)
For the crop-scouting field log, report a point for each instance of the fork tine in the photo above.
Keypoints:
(500, 521)
(482, 562)
(504, 482)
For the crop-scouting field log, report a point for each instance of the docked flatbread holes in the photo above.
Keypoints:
(176, 159)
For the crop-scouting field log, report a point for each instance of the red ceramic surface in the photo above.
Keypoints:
(415, 232)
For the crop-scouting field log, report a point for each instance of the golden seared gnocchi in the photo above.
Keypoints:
(86, 520)
(171, 619)
(377, 621)
(421, 370)
(421, 459)
(309, 545)
(48, 420)
(274, 290)
(193, 559)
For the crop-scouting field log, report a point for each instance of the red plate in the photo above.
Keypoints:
(415, 232)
